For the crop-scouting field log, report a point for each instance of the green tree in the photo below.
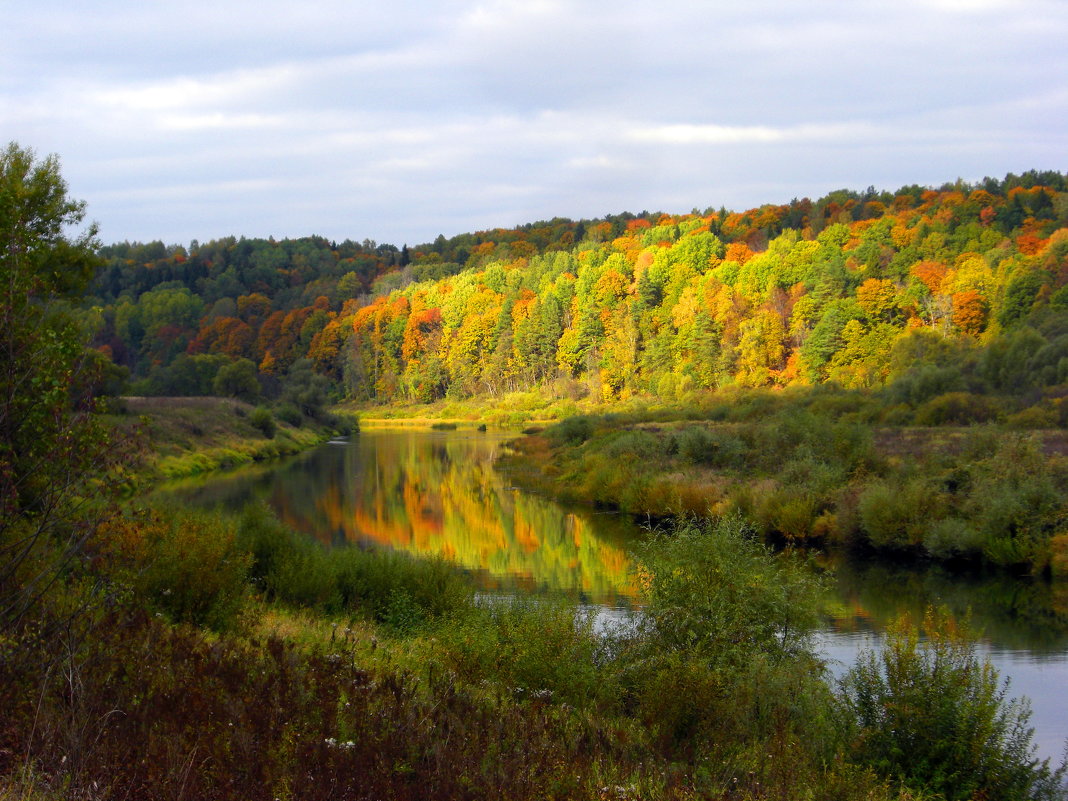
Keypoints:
(238, 380)
(305, 389)
(50, 450)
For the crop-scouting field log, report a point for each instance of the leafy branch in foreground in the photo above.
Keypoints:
(52, 454)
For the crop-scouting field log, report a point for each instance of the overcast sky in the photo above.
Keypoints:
(399, 121)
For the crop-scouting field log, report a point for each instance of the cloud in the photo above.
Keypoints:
(687, 134)
(402, 122)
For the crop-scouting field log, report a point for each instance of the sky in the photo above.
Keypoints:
(400, 121)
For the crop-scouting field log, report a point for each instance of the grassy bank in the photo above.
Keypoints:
(811, 468)
(512, 410)
(182, 437)
(232, 658)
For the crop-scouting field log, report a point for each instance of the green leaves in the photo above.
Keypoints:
(50, 452)
(717, 591)
(934, 715)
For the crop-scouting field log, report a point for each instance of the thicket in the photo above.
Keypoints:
(809, 466)
(420, 689)
(939, 718)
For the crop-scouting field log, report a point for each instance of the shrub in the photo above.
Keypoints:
(631, 445)
(572, 431)
(703, 446)
(895, 516)
(397, 589)
(1033, 417)
(951, 538)
(389, 587)
(537, 648)
(936, 717)
(718, 592)
(237, 380)
(288, 413)
(264, 421)
(956, 408)
(196, 572)
(790, 512)
(924, 382)
(725, 656)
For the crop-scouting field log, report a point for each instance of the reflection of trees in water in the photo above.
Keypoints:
(1011, 612)
(439, 494)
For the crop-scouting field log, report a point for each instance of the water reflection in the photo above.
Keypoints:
(1022, 623)
(1011, 613)
(438, 493)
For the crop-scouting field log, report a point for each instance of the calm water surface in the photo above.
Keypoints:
(438, 493)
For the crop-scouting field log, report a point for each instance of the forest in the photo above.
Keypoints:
(922, 307)
(918, 292)
(154, 650)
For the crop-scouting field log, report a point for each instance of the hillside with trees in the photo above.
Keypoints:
(154, 651)
(959, 289)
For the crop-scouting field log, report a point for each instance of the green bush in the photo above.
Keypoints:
(724, 656)
(631, 445)
(921, 383)
(572, 431)
(933, 715)
(288, 413)
(895, 516)
(386, 586)
(716, 591)
(716, 448)
(952, 538)
(237, 380)
(956, 408)
(396, 588)
(538, 649)
(196, 572)
(1015, 499)
(803, 435)
(263, 420)
(1033, 417)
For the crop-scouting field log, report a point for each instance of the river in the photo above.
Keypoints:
(439, 493)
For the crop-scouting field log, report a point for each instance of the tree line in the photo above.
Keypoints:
(952, 289)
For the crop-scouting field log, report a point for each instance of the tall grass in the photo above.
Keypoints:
(712, 692)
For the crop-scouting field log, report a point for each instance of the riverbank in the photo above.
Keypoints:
(181, 437)
(509, 411)
(315, 673)
(981, 495)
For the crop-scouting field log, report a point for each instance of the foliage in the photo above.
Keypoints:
(262, 419)
(183, 564)
(51, 452)
(807, 465)
(847, 288)
(934, 715)
(385, 586)
(571, 431)
(713, 590)
(237, 380)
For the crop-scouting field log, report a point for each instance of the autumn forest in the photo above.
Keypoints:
(927, 292)
(439, 613)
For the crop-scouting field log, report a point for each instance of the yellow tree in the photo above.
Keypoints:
(878, 298)
(760, 348)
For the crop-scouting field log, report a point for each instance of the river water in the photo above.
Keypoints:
(439, 493)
